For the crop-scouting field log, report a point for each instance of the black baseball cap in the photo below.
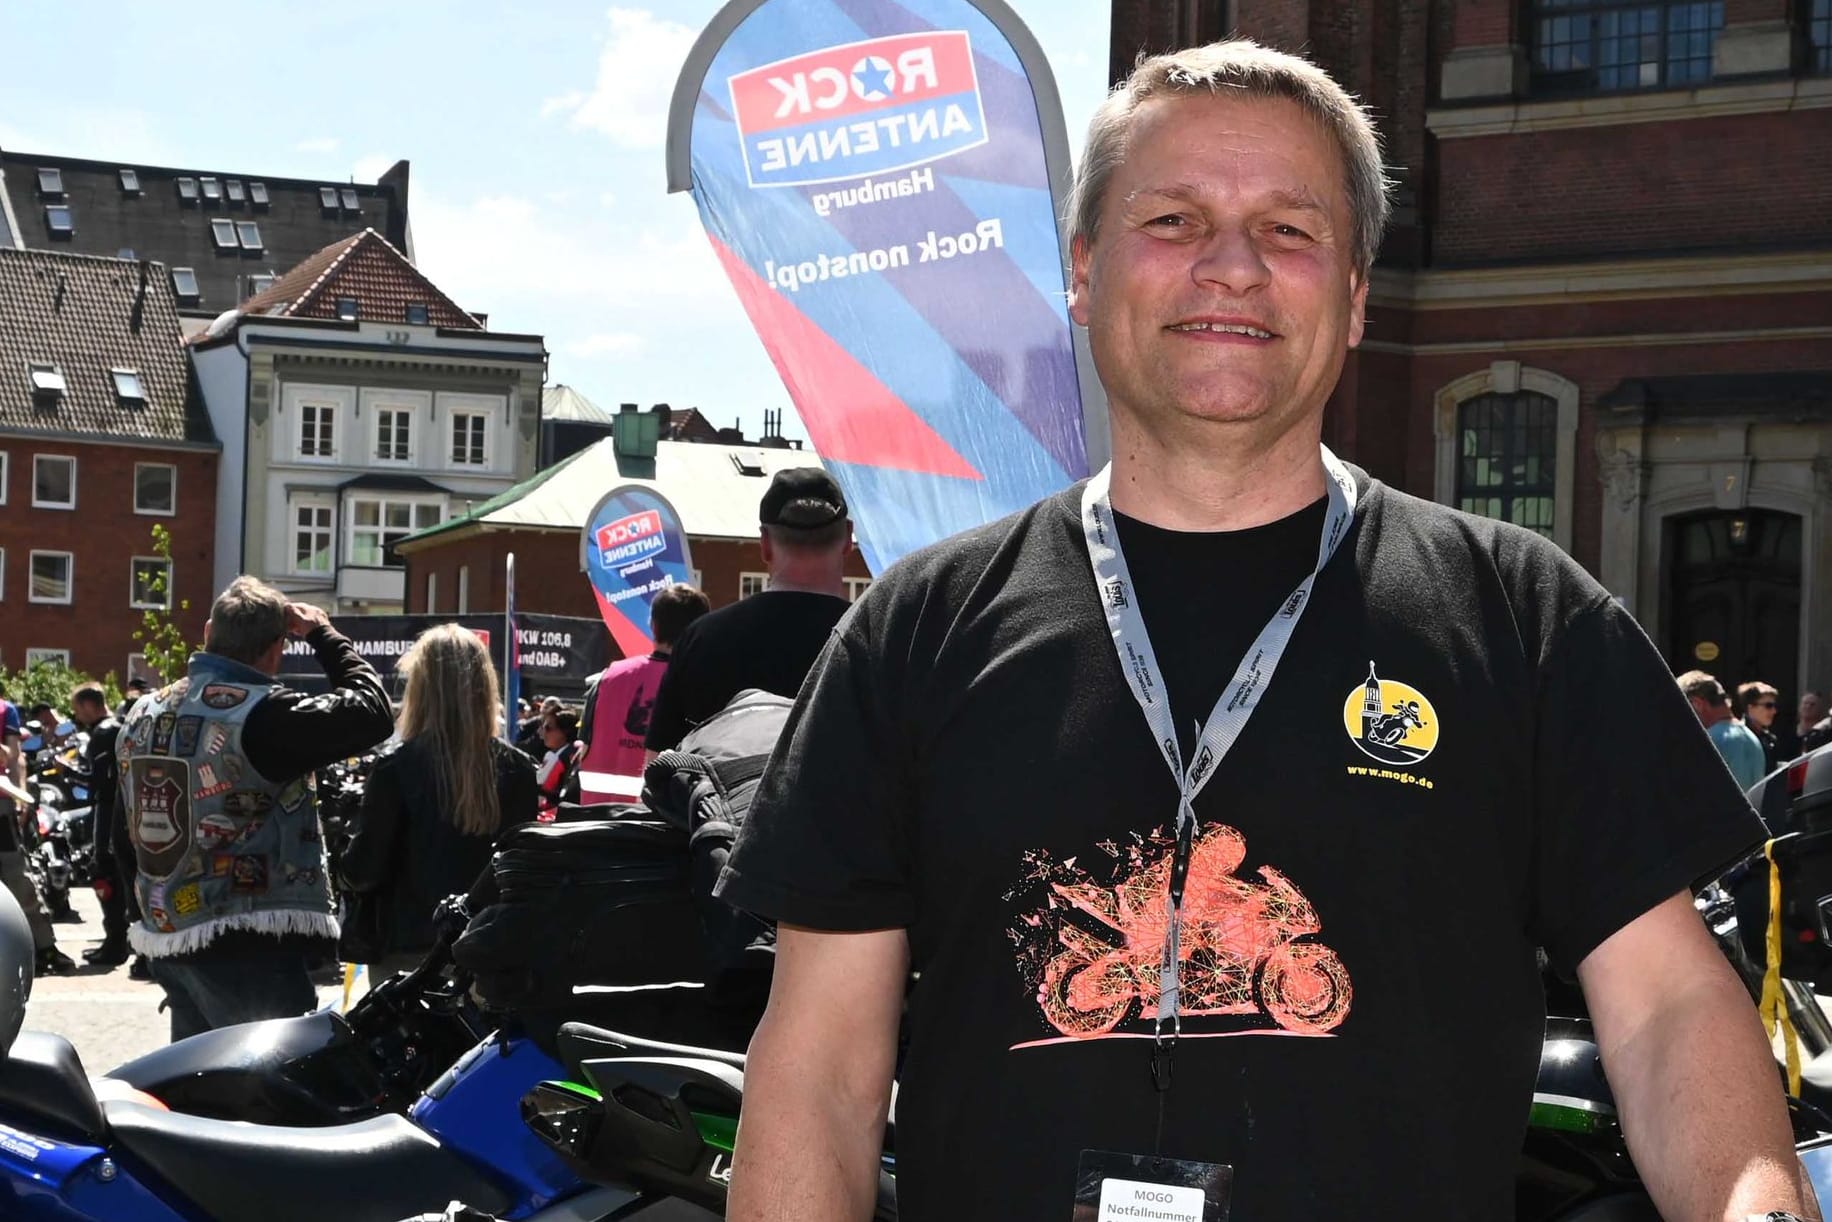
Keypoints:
(802, 498)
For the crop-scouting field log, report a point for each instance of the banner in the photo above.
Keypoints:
(512, 662)
(559, 654)
(631, 549)
(881, 180)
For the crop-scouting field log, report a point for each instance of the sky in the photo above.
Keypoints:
(535, 134)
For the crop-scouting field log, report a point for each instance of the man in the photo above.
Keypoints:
(1742, 750)
(217, 788)
(769, 640)
(89, 709)
(1812, 725)
(530, 733)
(136, 688)
(16, 805)
(976, 786)
(1757, 702)
(620, 701)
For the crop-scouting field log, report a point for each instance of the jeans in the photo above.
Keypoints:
(219, 990)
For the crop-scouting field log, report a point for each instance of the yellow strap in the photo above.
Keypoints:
(349, 983)
(1774, 1009)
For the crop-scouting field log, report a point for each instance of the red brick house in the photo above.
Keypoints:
(102, 438)
(1604, 309)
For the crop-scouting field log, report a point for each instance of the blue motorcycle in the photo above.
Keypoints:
(372, 1131)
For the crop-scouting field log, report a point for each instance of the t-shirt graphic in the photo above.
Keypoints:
(1390, 721)
(1092, 950)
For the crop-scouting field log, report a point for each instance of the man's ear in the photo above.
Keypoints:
(769, 547)
(208, 624)
(1358, 307)
(1081, 257)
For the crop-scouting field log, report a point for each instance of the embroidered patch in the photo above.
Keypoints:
(247, 802)
(214, 739)
(209, 783)
(187, 899)
(162, 733)
(188, 729)
(160, 920)
(223, 695)
(214, 831)
(248, 874)
(159, 814)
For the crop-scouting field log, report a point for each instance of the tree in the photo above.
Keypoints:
(161, 640)
(51, 683)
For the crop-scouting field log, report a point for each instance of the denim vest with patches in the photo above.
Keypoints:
(217, 846)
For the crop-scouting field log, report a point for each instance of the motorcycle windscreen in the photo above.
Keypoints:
(874, 180)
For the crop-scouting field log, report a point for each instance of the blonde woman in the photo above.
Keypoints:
(434, 805)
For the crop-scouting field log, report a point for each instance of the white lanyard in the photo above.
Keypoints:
(1119, 597)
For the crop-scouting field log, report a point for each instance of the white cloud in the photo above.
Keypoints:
(636, 69)
(606, 343)
(318, 144)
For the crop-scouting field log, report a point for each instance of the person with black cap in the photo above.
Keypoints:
(768, 641)
(136, 688)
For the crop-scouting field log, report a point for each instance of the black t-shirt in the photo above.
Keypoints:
(767, 641)
(1418, 802)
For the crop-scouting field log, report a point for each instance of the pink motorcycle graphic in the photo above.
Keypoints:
(1241, 952)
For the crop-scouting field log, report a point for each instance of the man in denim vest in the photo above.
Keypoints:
(218, 794)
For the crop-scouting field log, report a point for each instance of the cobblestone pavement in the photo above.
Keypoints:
(108, 1015)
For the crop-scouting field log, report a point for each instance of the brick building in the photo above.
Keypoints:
(715, 487)
(1604, 309)
(102, 437)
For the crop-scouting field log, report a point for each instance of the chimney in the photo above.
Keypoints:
(634, 434)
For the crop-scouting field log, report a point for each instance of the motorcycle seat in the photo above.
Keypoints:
(377, 1170)
(42, 1083)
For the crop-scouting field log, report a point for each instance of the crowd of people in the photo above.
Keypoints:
(1746, 726)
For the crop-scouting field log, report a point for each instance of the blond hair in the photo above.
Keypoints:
(450, 708)
(1245, 69)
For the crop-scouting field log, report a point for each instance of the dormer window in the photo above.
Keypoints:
(222, 231)
(350, 203)
(348, 309)
(130, 182)
(60, 220)
(236, 191)
(187, 190)
(257, 194)
(184, 286)
(327, 198)
(416, 313)
(213, 190)
(51, 183)
(249, 234)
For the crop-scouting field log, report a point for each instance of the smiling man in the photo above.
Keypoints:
(1221, 803)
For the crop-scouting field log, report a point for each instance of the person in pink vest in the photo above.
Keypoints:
(619, 701)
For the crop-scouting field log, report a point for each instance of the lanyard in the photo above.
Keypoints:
(1119, 597)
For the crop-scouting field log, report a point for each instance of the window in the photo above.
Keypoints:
(223, 231)
(213, 190)
(470, 439)
(464, 588)
(4, 472)
(311, 536)
(130, 182)
(416, 313)
(393, 434)
(53, 481)
(350, 203)
(128, 389)
(260, 282)
(348, 309)
(752, 583)
(236, 192)
(2, 572)
(257, 194)
(327, 198)
(432, 592)
(47, 384)
(856, 587)
(60, 220)
(150, 584)
(51, 183)
(1583, 45)
(375, 524)
(1819, 34)
(184, 284)
(126, 252)
(187, 190)
(250, 235)
(317, 431)
(155, 488)
(1507, 455)
(51, 577)
(46, 657)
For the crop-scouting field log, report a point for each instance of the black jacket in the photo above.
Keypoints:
(105, 790)
(407, 855)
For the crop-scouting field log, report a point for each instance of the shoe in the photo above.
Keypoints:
(140, 970)
(107, 955)
(54, 962)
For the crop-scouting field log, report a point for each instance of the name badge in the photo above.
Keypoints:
(1113, 1187)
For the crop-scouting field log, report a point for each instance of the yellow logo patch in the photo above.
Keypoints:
(1390, 721)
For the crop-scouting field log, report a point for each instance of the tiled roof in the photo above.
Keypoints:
(689, 424)
(368, 268)
(158, 222)
(88, 316)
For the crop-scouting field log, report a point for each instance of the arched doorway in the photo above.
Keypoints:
(1733, 596)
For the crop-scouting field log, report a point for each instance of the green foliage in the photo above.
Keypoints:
(161, 639)
(52, 683)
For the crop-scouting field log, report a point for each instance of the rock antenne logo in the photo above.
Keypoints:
(859, 109)
(630, 539)
(1390, 721)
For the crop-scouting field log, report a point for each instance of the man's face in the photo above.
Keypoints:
(86, 714)
(1761, 711)
(1812, 708)
(1224, 211)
